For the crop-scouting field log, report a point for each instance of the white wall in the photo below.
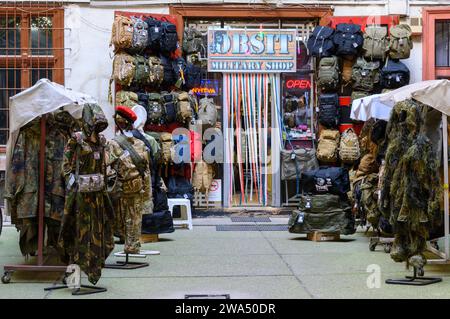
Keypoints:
(88, 60)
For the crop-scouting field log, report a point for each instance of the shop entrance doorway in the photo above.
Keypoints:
(252, 139)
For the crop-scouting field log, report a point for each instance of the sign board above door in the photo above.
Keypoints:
(252, 50)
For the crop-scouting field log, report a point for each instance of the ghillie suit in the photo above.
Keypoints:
(410, 190)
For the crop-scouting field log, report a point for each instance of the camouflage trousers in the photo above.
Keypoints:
(128, 221)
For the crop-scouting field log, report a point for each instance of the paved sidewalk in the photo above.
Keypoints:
(253, 264)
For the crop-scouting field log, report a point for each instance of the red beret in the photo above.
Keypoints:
(126, 113)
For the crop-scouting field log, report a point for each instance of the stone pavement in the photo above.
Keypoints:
(252, 264)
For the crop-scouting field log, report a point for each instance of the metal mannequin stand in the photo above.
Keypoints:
(77, 287)
(128, 264)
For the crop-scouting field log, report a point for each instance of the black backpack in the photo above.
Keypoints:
(329, 110)
(192, 76)
(143, 99)
(154, 33)
(332, 180)
(160, 222)
(348, 39)
(169, 74)
(320, 43)
(394, 75)
(168, 41)
(169, 102)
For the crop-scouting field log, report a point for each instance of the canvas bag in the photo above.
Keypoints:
(349, 147)
(325, 213)
(327, 149)
(329, 110)
(320, 43)
(376, 43)
(122, 33)
(126, 98)
(156, 71)
(348, 39)
(207, 112)
(400, 44)
(192, 41)
(166, 147)
(203, 177)
(141, 75)
(328, 75)
(365, 75)
(332, 180)
(155, 111)
(394, 75)
(140, 35)
(160, 222)
(294, 162)
(184, 107)
(168, 41)
(124, 68)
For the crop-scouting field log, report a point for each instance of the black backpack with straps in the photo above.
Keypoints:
(168, 41)
(154, 33)
(320, 43)
(348, 39)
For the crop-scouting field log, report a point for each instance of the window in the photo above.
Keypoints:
(442, 40)
(31, 48)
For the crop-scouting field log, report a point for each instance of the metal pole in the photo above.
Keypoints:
(41, 193)
(446, 200)
(226, 168)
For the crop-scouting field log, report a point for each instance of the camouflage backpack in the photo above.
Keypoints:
(203, 177)
(349, 147)
(365, 75)
(124, 69)
(400, 43)
(184, 107)
(156, 71)
(376, 43)
(328, 75)
(207, 112)
(141, 75)
(126, 98)
(192, 41)
(122, 33)
(155, 110)
(327, 149)
(369, 199)
(140, 35)
(166, 147)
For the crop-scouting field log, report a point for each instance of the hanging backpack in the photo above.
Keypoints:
(329, 110)
(179, 69)
(376, 43)
(358, 95)
(400, 44)
(156, 71)
(394, 74)
(365, 75)
(328, 75)
(169, 102)
(154, 34)
(124, 69)
(184, 107)
(141, 74)
(155, 111)
(168, 42)
(348, 39)
(140, 35)
(169, 78)
(143, 99)
(349, 147)
(320, 43)
(166, 147)
(294, 162)
(122, 33)
(193, 76)
(203, 177)
(347, 69)
(207, 112)
(192, 41)
(127, 98)
(327, 149)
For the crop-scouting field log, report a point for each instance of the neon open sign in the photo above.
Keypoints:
(300, 84)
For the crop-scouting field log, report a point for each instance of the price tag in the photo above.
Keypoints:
(293, 156)
(96, 155)
(156, 29)
(397, 78)
(300, 218)
(355, 44)
(71, 181)
(320, 50)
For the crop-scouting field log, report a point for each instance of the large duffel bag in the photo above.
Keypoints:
(333, 180)
(294, 162)
(325, 213)
(157, 223)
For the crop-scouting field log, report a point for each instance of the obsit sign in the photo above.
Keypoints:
(252, 50)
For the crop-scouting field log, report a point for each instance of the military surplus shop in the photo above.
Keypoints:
(216, 108)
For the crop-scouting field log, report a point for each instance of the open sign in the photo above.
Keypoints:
(302, 84)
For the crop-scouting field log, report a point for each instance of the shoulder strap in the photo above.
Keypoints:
(137, 134)
(138, 161)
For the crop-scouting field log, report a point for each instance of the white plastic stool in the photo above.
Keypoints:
(171, 202)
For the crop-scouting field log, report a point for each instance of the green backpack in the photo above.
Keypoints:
(400, 44)
(328, 75)
(156, 71)
(155, 110)
(376, 43)
(325, 213)
(358, 95)
(365, 75)
(141, 75)
(192, 41)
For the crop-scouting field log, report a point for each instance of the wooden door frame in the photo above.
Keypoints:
(429, 17)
